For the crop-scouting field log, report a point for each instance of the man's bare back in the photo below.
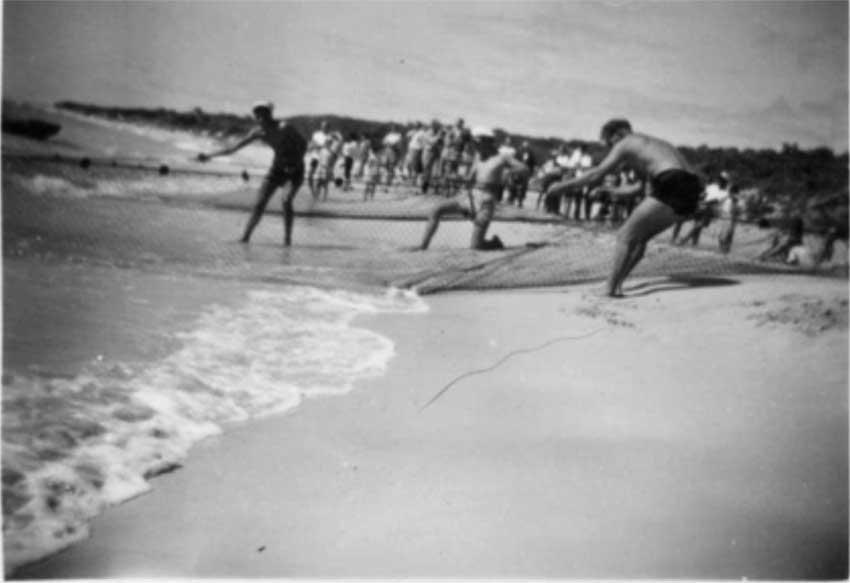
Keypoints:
(649, 154)
(488, 172)
(288, 145)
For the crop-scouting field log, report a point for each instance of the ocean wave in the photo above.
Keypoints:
(41, 185)
(144, 187)
(74, 446)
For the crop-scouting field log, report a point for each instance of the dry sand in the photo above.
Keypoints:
(700, 430)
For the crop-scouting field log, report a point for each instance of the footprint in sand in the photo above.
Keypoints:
(810, 315)
(593, 309)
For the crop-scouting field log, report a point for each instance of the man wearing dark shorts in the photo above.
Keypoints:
(674, 192)
(287, 167)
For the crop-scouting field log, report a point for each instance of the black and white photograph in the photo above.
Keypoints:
(373, 290)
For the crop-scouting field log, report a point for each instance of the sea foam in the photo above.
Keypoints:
(73, 446)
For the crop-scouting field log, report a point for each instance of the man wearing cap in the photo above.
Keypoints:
(287, 167)
(674, 192)
(484, 183)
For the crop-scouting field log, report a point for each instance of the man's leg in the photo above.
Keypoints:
(288, 213)
(441, 209)
(635, 256)
(677, 228)
(588, 204)
(265, 193)
(483, 217)
(311, 176)
(577, 204)
(650, 218)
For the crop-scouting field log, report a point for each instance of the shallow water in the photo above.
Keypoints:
(120, 394)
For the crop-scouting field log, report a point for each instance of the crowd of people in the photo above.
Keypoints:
(643, 183)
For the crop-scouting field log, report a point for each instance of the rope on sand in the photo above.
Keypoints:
(504, 359)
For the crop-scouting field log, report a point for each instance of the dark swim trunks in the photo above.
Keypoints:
(678, 189)
(279, 175)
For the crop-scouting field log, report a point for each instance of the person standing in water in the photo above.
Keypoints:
(484, 183)
(674, 191)
(287, 168)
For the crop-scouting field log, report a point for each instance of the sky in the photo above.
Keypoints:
(721, 73)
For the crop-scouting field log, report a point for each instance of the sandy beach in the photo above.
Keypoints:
(697, 428)
(688, 432)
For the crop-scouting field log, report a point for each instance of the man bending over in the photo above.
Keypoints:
(674, 191)
(287, 167)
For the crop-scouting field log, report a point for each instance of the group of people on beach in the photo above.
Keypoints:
(433, 157)
(644, 180)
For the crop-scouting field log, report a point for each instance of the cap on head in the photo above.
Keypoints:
(262, 107)
(481, 132)
(613, 126)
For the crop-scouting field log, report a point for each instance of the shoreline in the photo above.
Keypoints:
(554, 464)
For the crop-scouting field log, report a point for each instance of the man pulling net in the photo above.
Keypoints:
(484, 185)
(287, 169)
(674, 191)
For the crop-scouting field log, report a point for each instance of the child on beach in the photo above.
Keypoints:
(484, 184)
(731, 209)
(674, 192)
(317, 142)
(287, 166)
(373, 173)
(324, 171)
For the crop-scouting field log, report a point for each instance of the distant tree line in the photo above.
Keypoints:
(787, 182)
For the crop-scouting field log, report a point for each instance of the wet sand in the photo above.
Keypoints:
(698, 431)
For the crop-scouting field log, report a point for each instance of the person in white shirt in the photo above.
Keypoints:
(731, 212)
(415, 145)
(362, 155)
(317, 142)
(392, 153)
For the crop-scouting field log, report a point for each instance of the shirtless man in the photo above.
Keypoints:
(484, 183)
(287, 167)
(674, 192)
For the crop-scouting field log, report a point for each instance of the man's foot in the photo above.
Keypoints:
(245, 240)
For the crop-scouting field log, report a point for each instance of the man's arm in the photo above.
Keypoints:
(514, 164)
(611, 161)
(230, 150)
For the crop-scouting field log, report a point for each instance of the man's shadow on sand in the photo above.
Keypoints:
(677, 282)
